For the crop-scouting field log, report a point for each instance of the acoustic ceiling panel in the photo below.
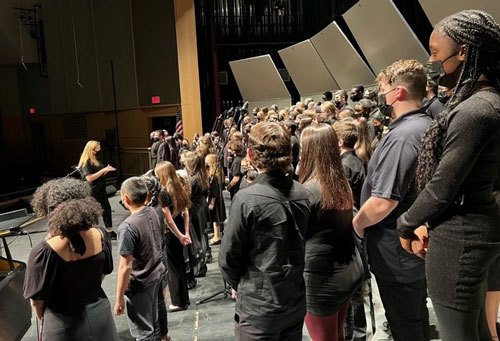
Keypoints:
(306, 68)
(437, 10)
(383, 34)
(258, 79)
(340, 57)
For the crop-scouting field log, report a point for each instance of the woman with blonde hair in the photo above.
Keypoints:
(216, 204)
(174, 200)
(93, 171)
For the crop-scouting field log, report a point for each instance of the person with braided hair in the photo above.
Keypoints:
(458, 164)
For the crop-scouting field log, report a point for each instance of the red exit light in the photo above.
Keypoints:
(32, 110)
(155, 99)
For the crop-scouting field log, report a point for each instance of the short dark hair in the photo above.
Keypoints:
(359, 87)
(135, 188)
(328, 95)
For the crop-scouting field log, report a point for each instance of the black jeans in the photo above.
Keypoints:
(102, 198)
(461, 325)
(406, 309)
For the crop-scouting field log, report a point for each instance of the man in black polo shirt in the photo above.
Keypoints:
(262, 252)
(387, 192)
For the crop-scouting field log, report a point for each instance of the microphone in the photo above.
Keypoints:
(245, 106)
(230, 112)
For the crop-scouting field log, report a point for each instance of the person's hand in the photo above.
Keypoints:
(119, 306)
(110, 168)
(185, 240)
(233, 294)
(418, 243)
(211, 206)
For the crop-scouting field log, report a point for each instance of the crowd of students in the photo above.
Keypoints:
(323, 194)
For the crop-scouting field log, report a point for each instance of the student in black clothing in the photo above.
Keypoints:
(174, 200)
(93, 171)
(333, 267)
(262, 252)
(235, 174)
(387, 192)
(458, 164)
(354, 167)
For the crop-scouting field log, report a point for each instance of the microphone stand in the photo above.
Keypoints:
(75, 169)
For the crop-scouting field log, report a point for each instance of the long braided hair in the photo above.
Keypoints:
(480, 34)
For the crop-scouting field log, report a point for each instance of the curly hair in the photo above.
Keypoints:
(73, 216)
(480, 34)
(409, 72)
(54, 192)
(271, 146)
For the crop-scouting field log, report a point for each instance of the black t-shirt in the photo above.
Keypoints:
(391, 173)
(66, 287)
(139, 235)
(235, 169)
(98, 184)
(355, 171)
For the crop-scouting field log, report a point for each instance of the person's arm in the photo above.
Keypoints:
(98, 174)
(232, 252)
(469, 132)
(124, 270)
(37, 306)
(173, 227)
(373, 211)
(185, 217)
(233, 182)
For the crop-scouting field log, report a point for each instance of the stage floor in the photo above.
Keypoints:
(209, 321)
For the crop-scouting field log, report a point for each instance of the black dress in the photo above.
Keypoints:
(199, 216)
(459, 206)
(333, 267)
(99, 191)
(75, 306)
(218, 213)
(176, 275)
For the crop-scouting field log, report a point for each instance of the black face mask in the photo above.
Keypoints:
(442, 96)
(378, 129)
(155, 139)
(356, 96)
(337, 104)
(385, 109)
(436, 73)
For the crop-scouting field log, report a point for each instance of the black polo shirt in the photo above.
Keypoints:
(391, 173)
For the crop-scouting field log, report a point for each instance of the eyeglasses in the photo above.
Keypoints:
(123, 205)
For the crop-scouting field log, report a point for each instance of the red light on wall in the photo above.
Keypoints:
(32, 110)
(155, 99)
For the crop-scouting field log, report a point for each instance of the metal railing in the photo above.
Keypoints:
(135, 161)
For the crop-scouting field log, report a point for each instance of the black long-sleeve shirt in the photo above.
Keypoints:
(262, 252)
(469, 164)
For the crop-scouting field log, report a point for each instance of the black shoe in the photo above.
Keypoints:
(192, 284)
(173, 308)
(112, 235)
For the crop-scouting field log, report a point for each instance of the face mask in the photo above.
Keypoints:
(378, 129)
(155, 139)
(442, 96)
(356, 96)
(436, 73)
(385, 109)
(337, 104)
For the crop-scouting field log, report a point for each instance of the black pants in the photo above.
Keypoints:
(244, 331)
(102, 198)
(461, 325)
(162, 312)
(406, 309)
(177, 283)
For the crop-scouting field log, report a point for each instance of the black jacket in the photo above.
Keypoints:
(262, 252)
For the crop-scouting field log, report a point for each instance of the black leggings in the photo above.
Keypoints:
(461, 325)
(102, 198)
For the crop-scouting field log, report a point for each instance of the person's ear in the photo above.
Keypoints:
(462, 52)
(341, 142)
(401, 93)
(126, 199)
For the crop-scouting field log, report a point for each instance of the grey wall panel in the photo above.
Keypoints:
(155, 51)
(113, 39)
(437, 10)
(280, 102)
(340, 57)
(307, 70)
(87, 98)
(258, 79)
(382, 33)
(55, 56)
